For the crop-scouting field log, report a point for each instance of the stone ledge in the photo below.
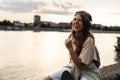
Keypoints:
(111, 72)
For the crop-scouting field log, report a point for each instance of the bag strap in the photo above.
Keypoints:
(97, 62)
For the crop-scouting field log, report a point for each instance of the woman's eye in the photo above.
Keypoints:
(79, 20)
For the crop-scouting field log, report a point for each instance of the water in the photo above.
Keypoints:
(31, 55)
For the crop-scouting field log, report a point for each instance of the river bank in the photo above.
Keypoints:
(38, 29)
(68, 30)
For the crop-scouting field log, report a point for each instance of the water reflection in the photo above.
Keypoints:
(29, 53)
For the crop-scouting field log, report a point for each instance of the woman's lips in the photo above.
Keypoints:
(76, 26)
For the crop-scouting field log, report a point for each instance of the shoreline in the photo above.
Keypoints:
(38, 29)
(59, 30)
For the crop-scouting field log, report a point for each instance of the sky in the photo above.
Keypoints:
(105, 12)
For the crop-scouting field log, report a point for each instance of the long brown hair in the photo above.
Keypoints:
(84, 33)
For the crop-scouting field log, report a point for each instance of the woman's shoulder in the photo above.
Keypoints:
(89, 40)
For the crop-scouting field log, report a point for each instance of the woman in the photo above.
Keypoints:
(84, 58)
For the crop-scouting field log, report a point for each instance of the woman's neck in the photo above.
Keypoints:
(78, 34)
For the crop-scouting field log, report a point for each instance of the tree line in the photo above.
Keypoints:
(93, 26)
(105, 28)
(6, 23)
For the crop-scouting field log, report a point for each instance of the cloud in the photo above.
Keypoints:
(59, 8)
(46, 11)
(20, 6)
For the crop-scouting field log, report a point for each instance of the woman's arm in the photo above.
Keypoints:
(73, 55)
(76, 60)
(87, 54)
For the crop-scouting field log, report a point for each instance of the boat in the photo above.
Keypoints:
(117, 47)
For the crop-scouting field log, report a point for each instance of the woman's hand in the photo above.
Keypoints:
(69, 46)
(74, 57)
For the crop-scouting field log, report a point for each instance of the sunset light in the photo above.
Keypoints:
(106, 12)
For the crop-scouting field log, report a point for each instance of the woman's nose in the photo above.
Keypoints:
(76, 21)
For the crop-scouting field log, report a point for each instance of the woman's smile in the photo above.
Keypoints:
(76, 26)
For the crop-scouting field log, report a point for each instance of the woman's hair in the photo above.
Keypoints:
(87, 14)
(80, 37)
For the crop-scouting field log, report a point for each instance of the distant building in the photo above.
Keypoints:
(64, 25)
(49, 24)
(30, 25)
(37, 20)
(18, 24)
(53, 24)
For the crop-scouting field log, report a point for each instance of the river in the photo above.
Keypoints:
(27, 55)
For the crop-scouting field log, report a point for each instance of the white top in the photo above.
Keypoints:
(88, 53)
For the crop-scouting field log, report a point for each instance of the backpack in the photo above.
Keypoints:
(97, 62)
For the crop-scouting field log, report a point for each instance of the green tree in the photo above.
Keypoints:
(6, 23)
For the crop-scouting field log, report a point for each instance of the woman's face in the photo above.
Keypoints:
(77, 24)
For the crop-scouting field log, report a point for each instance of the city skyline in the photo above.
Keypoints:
(106, 12)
